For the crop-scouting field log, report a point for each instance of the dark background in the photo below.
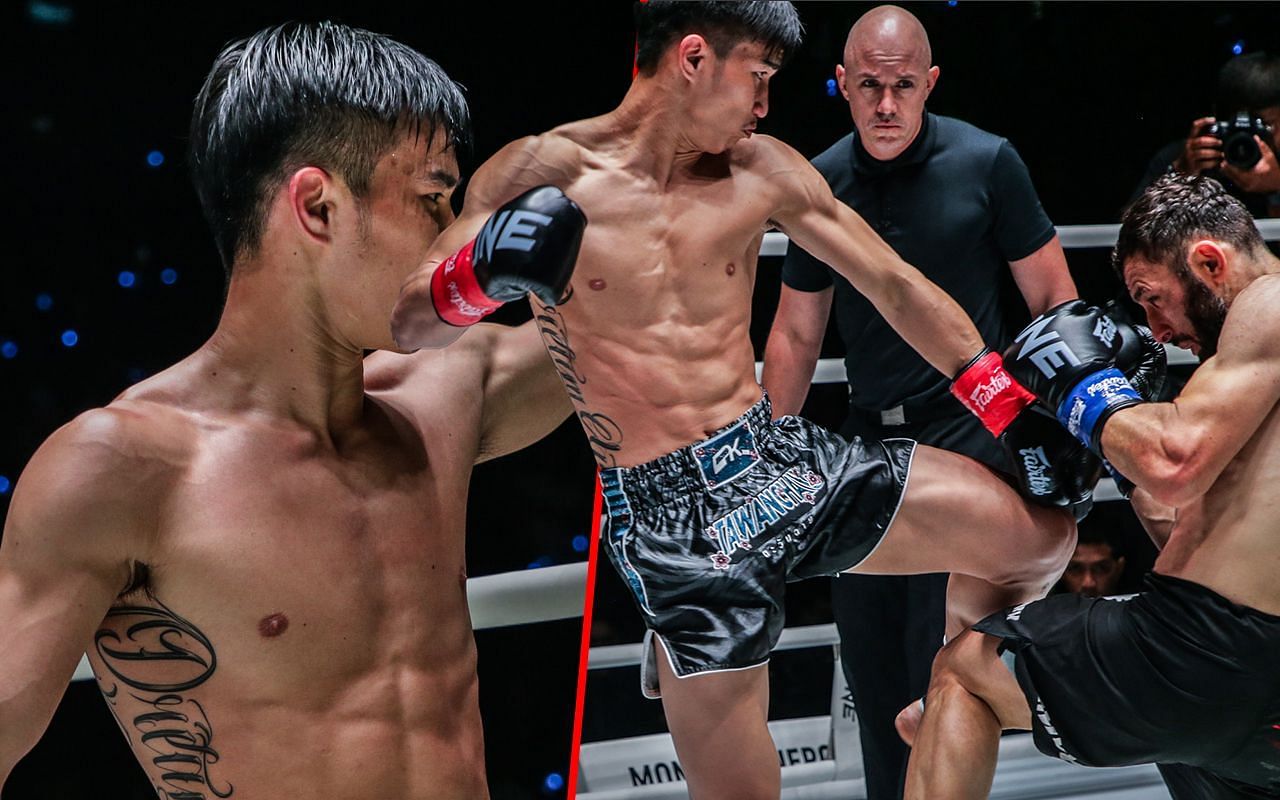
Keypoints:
(96, 104)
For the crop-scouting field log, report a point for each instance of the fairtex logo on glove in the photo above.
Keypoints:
(1037, 468)
(990, 392)
(1093, 399)
(1109, 387)
(984, 393)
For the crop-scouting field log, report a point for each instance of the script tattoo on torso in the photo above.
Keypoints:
(603, 434)
(156, 657)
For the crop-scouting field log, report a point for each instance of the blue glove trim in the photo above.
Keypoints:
(1093, 399)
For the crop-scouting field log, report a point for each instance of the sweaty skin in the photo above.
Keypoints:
(678, 192)
(660, 356)
(1206, 466)
(262, 547)
(1216, 462)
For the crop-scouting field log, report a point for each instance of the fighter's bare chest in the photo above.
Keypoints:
(314, 531)
(690, 241)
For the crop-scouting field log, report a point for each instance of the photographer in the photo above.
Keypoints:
(1238, 147)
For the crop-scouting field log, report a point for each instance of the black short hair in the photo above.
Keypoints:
(1099, 534)
(659, 23)
(1173, 210)
(301, 94)
(1248, 83)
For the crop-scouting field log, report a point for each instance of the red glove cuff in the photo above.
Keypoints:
(990, 392)
(455, 293)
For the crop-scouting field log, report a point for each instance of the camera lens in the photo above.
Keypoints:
(1240, 150)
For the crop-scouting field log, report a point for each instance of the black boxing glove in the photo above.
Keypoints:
(1145, 363)
(1050, 466)
(1067, 357)
(529, 244)
(1142, 360)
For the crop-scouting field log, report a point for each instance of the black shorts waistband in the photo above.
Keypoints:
(715, 461)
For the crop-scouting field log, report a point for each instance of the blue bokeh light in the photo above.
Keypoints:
(952, 3)
(44, 13)
(70, 338)
(126, 278)
(9, 349)
(135, 374)
(553, 782)
(579, 544)
(169, 276)
(4, 485)
(1238, 47)
(44, 301)
(831, 87)
(540, 562)
(155, 158)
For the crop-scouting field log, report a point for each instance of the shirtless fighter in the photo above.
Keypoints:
(262, 557)
(712, 507)
(1184, 674)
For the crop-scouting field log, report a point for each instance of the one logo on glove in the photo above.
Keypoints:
(1036, 467)
(1105, 331)
(984, 393)
(795, 492)
(1046, 350)
(511, 230)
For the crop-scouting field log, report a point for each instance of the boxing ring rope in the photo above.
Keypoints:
(540, 595)
(557, 592)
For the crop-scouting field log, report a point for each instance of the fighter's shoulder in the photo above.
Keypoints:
(108, 469)
(385, 371)
(549, 158)
(766, 154)
(1253, 322)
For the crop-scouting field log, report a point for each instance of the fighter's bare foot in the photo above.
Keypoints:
(908, 722)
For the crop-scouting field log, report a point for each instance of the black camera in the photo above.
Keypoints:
(1238, 146)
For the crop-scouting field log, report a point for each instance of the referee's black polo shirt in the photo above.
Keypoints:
(958, 205)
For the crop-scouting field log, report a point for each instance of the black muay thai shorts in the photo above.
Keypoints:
(707, 537)
(1176, 675)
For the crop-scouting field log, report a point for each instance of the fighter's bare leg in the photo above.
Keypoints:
(972, 697)
(957, 516)
(720, 726)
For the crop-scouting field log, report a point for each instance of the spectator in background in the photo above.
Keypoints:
(1097, 566)
(958, 204)
(1250, 84)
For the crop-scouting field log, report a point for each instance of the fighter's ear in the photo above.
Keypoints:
(691, 54)
(840, 76)
(1208, 260)
(931, 79)
(310, 193)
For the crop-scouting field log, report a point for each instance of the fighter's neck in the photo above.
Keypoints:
(650, 121)
(276, 352)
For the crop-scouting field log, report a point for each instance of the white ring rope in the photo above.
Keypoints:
(1071, 236)
(557, 592)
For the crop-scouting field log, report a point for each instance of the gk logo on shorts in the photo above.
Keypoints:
(727, 456)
